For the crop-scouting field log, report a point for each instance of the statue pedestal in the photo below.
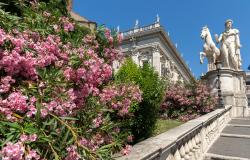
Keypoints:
(232, 87)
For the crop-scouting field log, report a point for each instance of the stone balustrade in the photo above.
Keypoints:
(141, 29)
(189, 141)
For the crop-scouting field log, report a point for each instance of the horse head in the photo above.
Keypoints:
(205, 32)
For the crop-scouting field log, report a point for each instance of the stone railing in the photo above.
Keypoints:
(141, 29)
(189, 141)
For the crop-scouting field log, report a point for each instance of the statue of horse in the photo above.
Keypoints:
(209, 48)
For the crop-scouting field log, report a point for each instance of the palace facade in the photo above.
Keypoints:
(151, 44)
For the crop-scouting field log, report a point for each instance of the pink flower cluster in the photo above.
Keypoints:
(13, 151)
(203, 99)
(59, 108)
(17, 103)
(16, 151)
(32, 154)
(109, 36)
(187, 103)
(98, 121)
(29, 50)
(67, 25)
(177, 94)
(187, 117)
(72, 153)
(112, 54)
(90, 42)
(126, 150)
(6, 84)
(28, 138)
(120, 97)
(95, 142)
(88, 77)
(49, 51)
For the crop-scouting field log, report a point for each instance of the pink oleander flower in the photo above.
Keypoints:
(44, 112)
(68, 27)
(32, 154)
(6, 84)
(32, 111)
(84, 142)
(59, 108)
(72, 153)
(98, 121)
(2, 36)
(120, 98)
(33, 137)
(126, 150)
(24, 138)
(12, 151)
(17, 102)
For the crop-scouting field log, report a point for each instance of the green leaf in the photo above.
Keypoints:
(7, 140)
(69, 118)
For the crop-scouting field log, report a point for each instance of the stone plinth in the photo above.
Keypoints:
(232, 87)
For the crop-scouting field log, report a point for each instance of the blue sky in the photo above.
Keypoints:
(183, 19)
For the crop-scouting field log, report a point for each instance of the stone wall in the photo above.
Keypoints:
(187, 142)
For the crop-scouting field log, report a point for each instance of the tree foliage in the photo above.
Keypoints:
(152, 92)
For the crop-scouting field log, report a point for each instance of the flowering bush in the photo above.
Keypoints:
(187, 102)
(57, 98)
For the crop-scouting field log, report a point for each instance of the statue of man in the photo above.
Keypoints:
(230, 44)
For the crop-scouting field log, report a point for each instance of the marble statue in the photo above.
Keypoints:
(157, 18)
(209, 48)
(118, 29)
(136, 24)
(229, 51)
(230, 45)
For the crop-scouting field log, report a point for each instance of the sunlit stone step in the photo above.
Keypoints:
(231, 147)
(210, 156)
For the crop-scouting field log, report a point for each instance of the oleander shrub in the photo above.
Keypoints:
(187, 101)
(152, 95)
(57, 97)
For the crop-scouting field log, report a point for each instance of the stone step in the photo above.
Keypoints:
(240, 121)
(238, 125)
(235, 135)
(231, 147)
(241, 118)
(210, 156)
(237, 130)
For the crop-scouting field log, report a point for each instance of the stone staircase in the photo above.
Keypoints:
(233, 143)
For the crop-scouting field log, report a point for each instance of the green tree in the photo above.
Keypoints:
(153, 90)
